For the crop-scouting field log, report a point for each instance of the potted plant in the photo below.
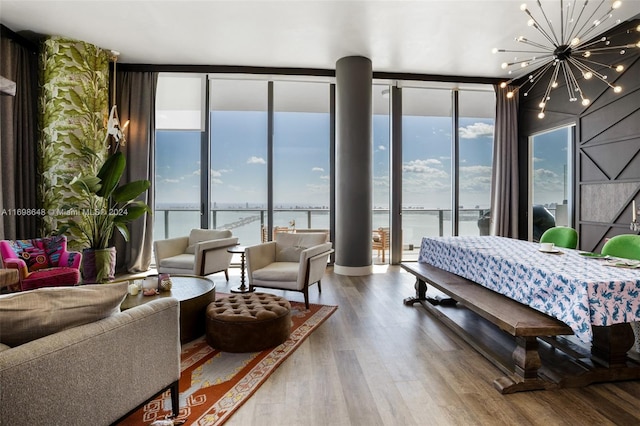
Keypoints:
(105, 206)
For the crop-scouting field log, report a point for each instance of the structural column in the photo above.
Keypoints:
(354, 168)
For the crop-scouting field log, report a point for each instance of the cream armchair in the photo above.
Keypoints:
(291, 262)
(203, 252)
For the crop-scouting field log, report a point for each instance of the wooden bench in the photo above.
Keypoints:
(525, 324)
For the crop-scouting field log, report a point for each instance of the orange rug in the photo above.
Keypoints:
(214, 384)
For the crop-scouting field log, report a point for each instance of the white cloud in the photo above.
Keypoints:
(317, 169)
(171, 180)
(256, 160)
(382, 148)
(325, 177)
(196, 173)
(216, 181)
(476, 130)
(425, 167)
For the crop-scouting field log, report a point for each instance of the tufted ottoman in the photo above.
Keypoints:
(248, 322)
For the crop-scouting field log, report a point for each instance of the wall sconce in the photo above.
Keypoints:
(113, 124)
(635, 226)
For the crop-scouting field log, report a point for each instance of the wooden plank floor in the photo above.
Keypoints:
(378, 362)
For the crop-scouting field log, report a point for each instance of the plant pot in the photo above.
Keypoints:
(98, 265)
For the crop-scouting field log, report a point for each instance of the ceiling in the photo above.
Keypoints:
(446, 37)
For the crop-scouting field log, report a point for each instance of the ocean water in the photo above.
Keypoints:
(246, 225)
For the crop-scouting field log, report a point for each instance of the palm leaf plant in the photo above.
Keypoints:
(107, 206)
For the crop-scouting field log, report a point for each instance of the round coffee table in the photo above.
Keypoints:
(194, 293)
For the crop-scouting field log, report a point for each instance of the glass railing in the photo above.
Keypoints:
(247, 224)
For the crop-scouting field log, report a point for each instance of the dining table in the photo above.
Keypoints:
(581, 289)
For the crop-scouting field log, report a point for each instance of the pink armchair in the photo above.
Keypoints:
(42, 262)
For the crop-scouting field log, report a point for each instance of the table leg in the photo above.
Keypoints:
(421, 293)
(611, 343)
(243, 288)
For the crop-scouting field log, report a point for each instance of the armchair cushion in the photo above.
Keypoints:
(29, 315)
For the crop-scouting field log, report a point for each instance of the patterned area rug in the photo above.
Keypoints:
(214, 384)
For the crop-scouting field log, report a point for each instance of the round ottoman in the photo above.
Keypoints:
(248, 322)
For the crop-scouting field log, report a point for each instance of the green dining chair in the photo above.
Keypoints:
(561, 236)
(626, 246)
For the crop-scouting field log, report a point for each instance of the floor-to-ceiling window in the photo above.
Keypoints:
(261, 156)
(381, 166)
(238, 153)
(179, 127)
(301, 163)
(550, 180)
(442, 165)
(475, 131)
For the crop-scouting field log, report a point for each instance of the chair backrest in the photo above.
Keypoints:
(289, 246)
(626, 246)
(561, 236)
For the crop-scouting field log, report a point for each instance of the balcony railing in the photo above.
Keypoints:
(246, 223)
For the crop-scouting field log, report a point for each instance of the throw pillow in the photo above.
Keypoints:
(32, 252)
(30, 315)
(288, 253)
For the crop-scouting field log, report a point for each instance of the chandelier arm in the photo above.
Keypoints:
(569, 19)
(534, 44)
(588, 20)
(535, 79)
(555, 37)
(524, 63)
(571, 82)
(585, 61)
(596, 23)
(575, 30)
(604, 49)
(582, 46)
(583, 66)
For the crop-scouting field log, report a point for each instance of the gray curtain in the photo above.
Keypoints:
(18, 140)
(136, 98)
(504, 186)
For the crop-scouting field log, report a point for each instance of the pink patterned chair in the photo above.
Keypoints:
(42, 262)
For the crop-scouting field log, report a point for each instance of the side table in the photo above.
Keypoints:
(242, 288)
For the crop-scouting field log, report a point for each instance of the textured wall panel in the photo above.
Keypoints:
(603, 202)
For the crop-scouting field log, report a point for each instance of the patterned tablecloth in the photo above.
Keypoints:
(578, 290)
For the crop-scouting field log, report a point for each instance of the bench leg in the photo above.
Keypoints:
(527, 362)
(421, 293)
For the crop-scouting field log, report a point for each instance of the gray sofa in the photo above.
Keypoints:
(93, 374)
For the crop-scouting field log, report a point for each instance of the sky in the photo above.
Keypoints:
(301, 161)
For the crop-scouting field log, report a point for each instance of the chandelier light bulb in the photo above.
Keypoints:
(587, 75)
(542, 105)
(510, 94)
(585, 102)
(586, 54)
(617, 89)
(620, 68)
(494, 50)
(541, 115)
(523, 7)
(575, 41)
(554, 84)
(504, 65)
(616, 4)
(596, 22)
(531, 23)
(503, 84)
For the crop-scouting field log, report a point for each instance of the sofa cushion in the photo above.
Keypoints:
(37, 313)
(181, 261)
(33, 252)
(198, 235)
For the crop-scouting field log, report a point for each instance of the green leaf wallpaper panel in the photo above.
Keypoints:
(74, 108)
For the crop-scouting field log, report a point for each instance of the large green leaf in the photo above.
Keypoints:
(130, 191)
(132, 212)
(111, 172)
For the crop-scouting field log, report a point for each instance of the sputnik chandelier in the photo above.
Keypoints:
(567, 52)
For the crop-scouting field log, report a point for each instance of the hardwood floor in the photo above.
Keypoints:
(378, 362)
